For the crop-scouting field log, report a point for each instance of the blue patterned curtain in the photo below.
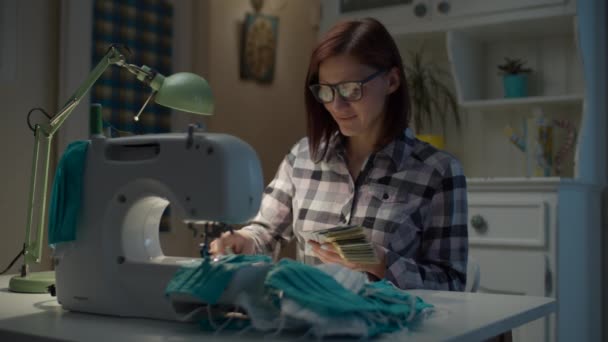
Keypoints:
(145, 27)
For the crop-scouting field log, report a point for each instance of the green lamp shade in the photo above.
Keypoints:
(186, 92)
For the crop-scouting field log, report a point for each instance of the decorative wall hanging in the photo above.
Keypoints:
(259, 45)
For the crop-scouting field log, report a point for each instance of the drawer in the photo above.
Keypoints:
(517, 272)
(502, 222)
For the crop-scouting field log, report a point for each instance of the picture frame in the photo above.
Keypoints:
(259, 47)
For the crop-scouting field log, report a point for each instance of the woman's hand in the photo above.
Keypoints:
(239, 242)
(328, 254)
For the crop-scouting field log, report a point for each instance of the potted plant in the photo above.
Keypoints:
(431, 99)
(515, 77)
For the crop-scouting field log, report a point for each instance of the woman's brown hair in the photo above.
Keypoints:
(368, 41)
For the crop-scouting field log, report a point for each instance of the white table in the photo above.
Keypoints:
(460, 317)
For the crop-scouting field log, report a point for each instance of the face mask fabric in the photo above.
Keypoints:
(289, 296)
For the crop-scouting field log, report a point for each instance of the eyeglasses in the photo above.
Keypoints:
(349, 91)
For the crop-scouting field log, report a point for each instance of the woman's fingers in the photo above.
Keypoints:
(323, 246)
(218, 247)
(232, 243)
(327, 254)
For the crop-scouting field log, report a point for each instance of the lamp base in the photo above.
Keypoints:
(34, 282)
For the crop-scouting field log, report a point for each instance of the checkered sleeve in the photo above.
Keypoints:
(442, 261)
(274, 219)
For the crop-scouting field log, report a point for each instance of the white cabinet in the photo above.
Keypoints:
(480, 7)
(529, 238)
(406, 16)
(512, 235)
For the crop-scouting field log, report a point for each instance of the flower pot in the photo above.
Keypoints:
(436, 140)
(516, 85)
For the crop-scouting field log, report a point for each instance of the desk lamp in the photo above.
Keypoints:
(182, 91)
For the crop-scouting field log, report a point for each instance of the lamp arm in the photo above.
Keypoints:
(33, 249)
(43, 134)
(112, 57)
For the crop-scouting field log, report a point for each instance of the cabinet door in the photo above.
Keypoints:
(397, 16)
(475, 7)
(515, 272)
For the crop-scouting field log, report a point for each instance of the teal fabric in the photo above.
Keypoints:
(314, 289)
(208, 280)
(381, 306)
(384, 307)
(66, 195)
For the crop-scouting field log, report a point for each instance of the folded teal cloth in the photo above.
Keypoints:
(290, 296)
(66, 195)
(380, 306)
(208, 280)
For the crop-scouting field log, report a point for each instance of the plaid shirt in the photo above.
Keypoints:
(410, 197)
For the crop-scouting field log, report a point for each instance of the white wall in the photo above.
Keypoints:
(32, 84)
(269, 117)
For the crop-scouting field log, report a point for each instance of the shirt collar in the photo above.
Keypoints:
(397, 150)
(335, 146)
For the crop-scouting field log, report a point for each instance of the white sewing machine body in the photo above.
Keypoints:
(116, 265)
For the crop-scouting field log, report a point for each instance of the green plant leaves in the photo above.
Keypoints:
(430, 97)
(513, 66)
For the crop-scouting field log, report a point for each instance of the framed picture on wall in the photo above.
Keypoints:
(259, 47)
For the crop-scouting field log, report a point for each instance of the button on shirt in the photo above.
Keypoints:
(409, 197)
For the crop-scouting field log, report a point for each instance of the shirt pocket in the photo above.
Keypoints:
(393, 206)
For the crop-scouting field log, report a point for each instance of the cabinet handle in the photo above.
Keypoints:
(420, 10)
(479, 223)
(484, 289)
(548, 277)
(443, 7)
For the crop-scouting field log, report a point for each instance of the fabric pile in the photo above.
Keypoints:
(323, 301)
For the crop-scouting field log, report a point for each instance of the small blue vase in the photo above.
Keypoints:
(516, 85)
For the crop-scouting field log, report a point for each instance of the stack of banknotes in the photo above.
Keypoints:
(349, 241)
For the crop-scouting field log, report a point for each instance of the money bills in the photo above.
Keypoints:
(349, 241)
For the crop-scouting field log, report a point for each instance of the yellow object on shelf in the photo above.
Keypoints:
(435, 140)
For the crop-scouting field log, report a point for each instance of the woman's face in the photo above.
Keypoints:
(364, 117)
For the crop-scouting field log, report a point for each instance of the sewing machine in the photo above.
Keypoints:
(116, 265)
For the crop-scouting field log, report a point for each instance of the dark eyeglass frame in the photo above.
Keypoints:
(334, 88)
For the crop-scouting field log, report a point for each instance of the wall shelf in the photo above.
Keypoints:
(524, 101)
(549, 46)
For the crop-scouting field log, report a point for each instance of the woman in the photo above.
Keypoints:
(360, 164)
